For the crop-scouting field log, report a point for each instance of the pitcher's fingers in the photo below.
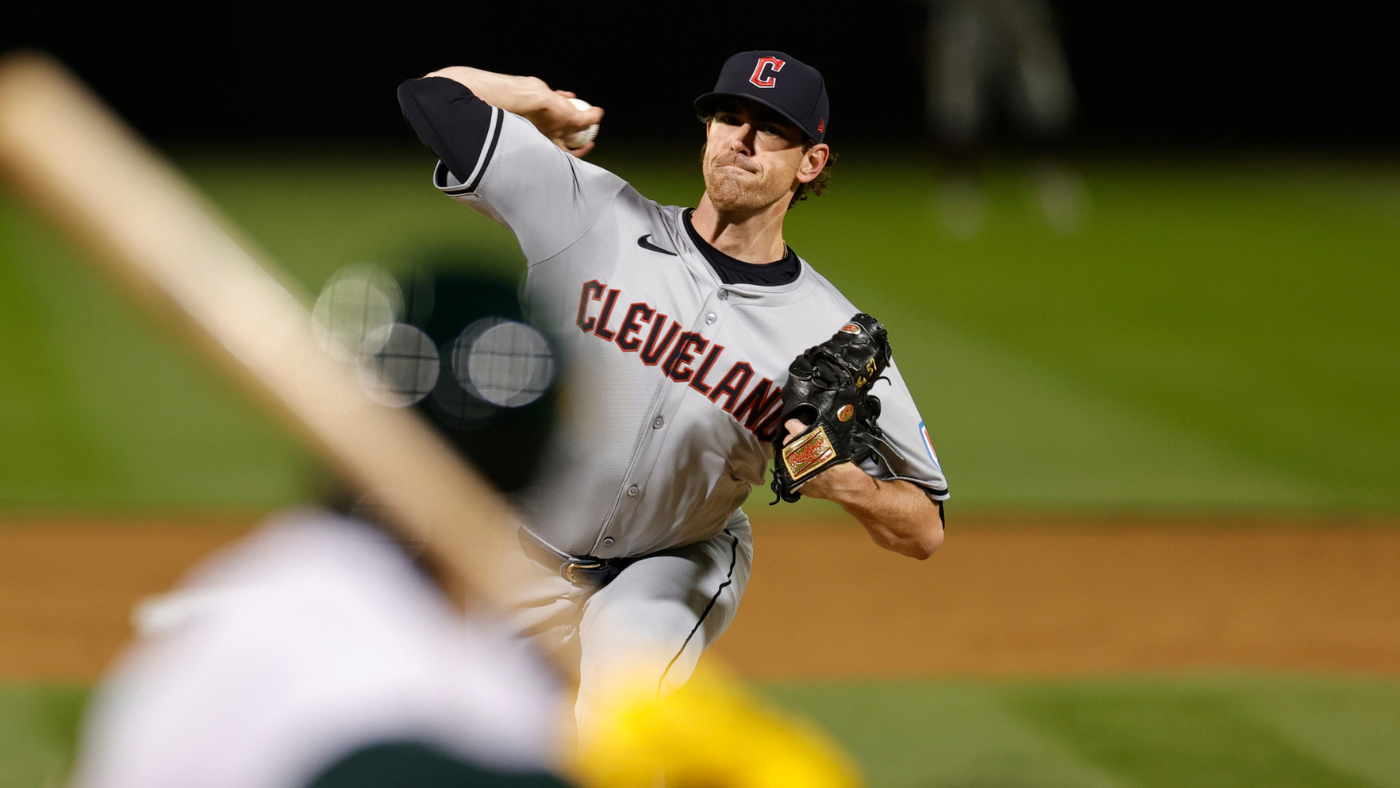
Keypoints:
(794, 427)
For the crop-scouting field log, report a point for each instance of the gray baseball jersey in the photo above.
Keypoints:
(675, 378)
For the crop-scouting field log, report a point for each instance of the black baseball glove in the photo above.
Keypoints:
(828, 389)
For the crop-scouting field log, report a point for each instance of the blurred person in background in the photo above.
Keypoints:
(321, 650)
(986, 56)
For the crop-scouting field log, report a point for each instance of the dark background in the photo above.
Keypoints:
(1153, 73)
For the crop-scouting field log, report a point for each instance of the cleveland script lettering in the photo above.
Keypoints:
(689, 357)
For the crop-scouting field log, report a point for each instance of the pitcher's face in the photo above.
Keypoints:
(753, 157)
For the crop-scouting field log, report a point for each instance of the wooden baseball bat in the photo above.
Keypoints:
(134, 212)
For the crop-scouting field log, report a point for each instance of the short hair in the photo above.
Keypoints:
(813, 188)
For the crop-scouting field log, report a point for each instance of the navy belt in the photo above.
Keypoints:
(579, 570)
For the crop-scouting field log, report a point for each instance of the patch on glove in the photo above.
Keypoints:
(828, 389)
(807, 453)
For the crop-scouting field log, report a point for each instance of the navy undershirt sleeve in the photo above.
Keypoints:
(449, 119)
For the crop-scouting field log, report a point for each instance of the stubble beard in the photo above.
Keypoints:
(740, 192)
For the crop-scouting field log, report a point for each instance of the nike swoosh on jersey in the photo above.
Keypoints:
(648, 245)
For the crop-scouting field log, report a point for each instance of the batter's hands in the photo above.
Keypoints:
(842, 482)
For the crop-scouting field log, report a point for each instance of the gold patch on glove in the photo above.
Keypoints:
(807, 453)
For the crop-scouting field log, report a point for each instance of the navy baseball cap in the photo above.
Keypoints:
(778, 81)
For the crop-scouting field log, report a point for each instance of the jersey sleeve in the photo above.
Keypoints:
(910, 455)
(500, 165)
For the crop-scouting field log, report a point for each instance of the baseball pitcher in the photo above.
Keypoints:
(702, 347)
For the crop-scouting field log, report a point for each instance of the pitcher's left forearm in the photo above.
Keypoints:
(898, 515)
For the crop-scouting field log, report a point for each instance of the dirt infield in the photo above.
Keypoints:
(67, 586)
(1015, 597)
(1003, 597)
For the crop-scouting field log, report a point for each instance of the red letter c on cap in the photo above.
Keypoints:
(771, 66)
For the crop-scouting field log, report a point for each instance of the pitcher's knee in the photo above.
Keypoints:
(638, 631)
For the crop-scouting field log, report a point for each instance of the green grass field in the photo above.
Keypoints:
(1200, 732)
(1217, 336)
(1216, 732)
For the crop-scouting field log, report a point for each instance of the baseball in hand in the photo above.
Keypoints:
(580, 138)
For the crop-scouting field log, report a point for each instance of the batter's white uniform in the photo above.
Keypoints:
(674, 383)
(312, 640)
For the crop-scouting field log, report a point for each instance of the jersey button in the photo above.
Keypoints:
(608, 541)
(632, 491)
(710, 319)
(723, 295)
(657, 423)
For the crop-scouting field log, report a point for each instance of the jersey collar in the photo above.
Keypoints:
(758, 295)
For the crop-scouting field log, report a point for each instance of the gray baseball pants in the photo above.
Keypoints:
(657, 616)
